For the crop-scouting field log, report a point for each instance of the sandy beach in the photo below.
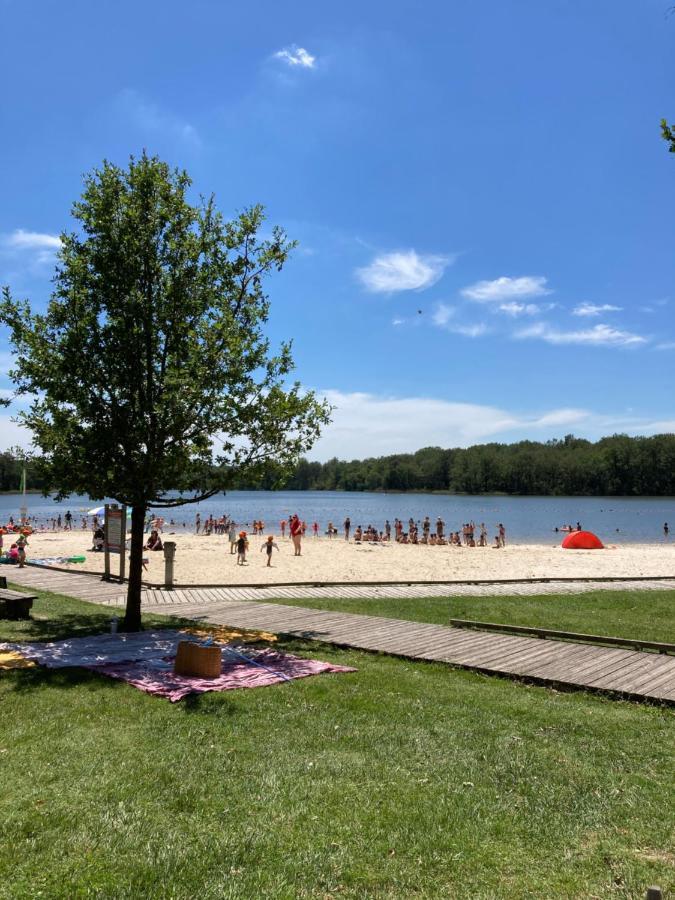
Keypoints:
(206, 560)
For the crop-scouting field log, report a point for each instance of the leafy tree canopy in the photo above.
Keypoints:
(150, 372)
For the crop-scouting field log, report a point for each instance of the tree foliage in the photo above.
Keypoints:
(668, 134)
(150, 372)
(617, 465)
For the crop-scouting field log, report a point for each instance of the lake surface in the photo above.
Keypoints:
(527, 519)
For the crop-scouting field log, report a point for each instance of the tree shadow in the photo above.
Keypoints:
(65, 625)
(34, 678)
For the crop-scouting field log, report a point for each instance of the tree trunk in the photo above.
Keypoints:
(132, 615)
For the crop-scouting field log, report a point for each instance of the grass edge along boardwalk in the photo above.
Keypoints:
(401, 780)
(629, 673)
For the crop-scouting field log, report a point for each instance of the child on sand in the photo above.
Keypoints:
(21, 543)
(268, 546)
(242, 547)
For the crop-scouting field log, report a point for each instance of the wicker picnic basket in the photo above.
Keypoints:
(194, 659)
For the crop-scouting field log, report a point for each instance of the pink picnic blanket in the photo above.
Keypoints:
(241, 668)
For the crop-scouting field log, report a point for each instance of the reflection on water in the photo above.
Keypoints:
(527, 519)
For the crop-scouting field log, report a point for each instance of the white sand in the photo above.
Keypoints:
(207, 560)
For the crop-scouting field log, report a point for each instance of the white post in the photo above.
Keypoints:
(169, 554)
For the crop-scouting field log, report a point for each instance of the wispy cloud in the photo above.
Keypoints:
(665, 345)
(520, 309)
(598, 336)
(386, 424)
(296, 57)
(40, 248)
(505, 289)
(590, 309)
(443, 314)
(149, 117)
(444, 317)
(404, 270)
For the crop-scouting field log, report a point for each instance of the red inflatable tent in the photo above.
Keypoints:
(582, 540)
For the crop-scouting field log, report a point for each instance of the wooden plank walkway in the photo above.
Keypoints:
(634, 674)
(628, 673)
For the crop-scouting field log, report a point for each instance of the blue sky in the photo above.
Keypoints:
(480, 191)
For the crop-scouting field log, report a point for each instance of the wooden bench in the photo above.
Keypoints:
(15, 605)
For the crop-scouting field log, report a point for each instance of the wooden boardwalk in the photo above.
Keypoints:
(628, 673)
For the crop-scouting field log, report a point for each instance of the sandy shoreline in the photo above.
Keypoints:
(206, 560)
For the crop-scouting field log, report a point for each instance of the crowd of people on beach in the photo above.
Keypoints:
(413, 532)
(418, 532)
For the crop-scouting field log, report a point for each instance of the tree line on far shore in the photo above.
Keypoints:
(613, 466)
(11, 469)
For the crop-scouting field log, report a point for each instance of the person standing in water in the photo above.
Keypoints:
(666, 530)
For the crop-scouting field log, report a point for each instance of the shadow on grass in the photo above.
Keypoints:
(63, 626)
(24, 680)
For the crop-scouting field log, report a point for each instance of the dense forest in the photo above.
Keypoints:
(618, 465)
(11, 468)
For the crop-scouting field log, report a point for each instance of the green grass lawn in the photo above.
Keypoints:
(402, 779)
(644, 615)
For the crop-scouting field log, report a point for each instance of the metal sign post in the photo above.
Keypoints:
(115, 530)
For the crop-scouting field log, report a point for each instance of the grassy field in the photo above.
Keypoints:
(644, 615)
(399, 780)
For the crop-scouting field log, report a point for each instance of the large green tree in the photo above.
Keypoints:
(149, 372)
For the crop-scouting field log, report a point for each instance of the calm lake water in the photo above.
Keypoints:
(527, 519)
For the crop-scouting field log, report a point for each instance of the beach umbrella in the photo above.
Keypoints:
(100, 510)
(582, 540)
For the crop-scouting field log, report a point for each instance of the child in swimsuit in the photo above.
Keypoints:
(242, 547)
(268, 546)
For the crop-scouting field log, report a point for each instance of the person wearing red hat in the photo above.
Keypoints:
(242, 547)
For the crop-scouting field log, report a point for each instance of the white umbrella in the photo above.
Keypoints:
(100, 510)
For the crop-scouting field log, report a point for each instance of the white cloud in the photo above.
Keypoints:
(520, 309)
(590, 309)
(32, 240)
(472, 331)
(37, 247)
(443, 315)
(665, 345)
(12, 434)
(371, 425)
(405, 270)
(397, 321)
(296, 57)
(505, 288)
(599, 335)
